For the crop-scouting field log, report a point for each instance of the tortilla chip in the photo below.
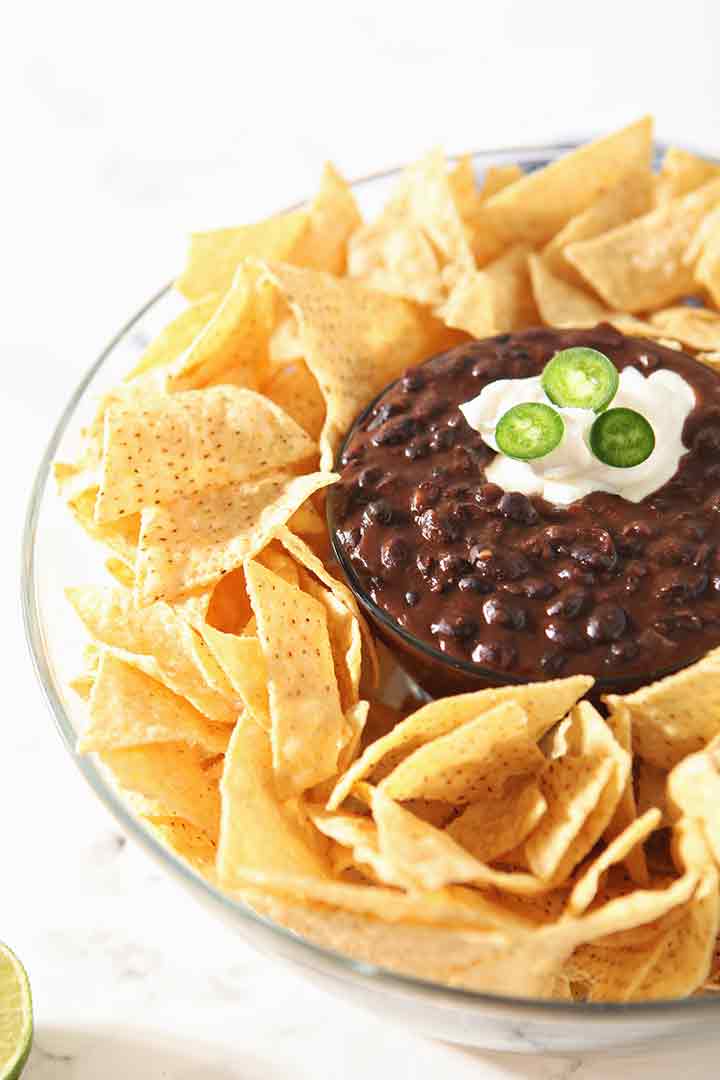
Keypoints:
(694, 790)
(536, 207)
(471, 763)
(156, 640)
(676, 716)
(308, 726)
(697, 327)
(179, 777)
(128, 708)
(651, 787)
(544, 705)
(495, 299)
(707, 269)
(627, 811)
(497, 177)
(559, 303)
(463, 188)
(618, 850)
(258, 832)
(641, 266)
(188, 444)
(214, 256)
(418, 247)
(682, 172)
(243, 661)
(333, 216)
(493, 827)
(629, 199)
(233, 346)
(421, 857)
(355, 342)
(295, 390)
(187, 841)
(119, 536)
(192, 542)
(176, 337)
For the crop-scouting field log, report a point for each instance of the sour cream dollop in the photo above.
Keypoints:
(572, 471)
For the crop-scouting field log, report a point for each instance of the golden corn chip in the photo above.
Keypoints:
(176, 337)
(538, 205)
(359, 835)
(233, 345)
(573, 788)
(697, 327)
(471, 763)
(490, 828)
(333, 216)
(188, 444)
(214, 256)
(421, 857)
(651, 787)
(243, 661)
(618, 850)
(544, 705)
(179, 777)
(629, 199)
(128, 708)
(308, 726)
(495, 299)
(418, 246)
(275, 558)
(187, 841)
(641, 266)
(258, 832)
(355, 341)
(707, 269)
(498, 177)
(192, 542)
(83, 683)
(559, 303)
(682, 172)
(285, 344)
(308, 522)
(156, 640)
(627, 811)
(295, 389)
(119, 536)
(694, 790)
(463, 188)
(345, 640)
(676, 716)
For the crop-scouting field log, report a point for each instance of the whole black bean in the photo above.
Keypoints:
(475, 583)
(538, 588)
(496, 654)
(395, 432)
(378, 512)
(593, 558)
(552, 663)
(370, 477)
(442, 439)
(394, 553)
(437, 529)
(412, 381)
(513, 566)
(453, 565)
(607, 622)
(424, 496)
(497, 612)
(412, 598)
(565, 637)
(488, 494)
(570, 605)
(459, 627)
(518, 508)
(681, 585)
(623, 651)
(416, 450)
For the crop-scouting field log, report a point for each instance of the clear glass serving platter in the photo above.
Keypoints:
(55, 554)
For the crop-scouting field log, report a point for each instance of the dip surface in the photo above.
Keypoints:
(511, 582)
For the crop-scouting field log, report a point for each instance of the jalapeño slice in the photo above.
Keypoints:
(580, 379)
(529, 431)
(622, 438)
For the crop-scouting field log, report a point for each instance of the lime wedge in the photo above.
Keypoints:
(15, 1015)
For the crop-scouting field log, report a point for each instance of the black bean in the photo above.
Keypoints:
(679, 621)
(566, 637)
(623, 651)
(633, 538)
(424, 496)
(394, 553)
(496, 654)
(488, 367)
(370, 477)
(452, 564)
(557, 539)
(378, 511)
(437, 529)
(415, 450)
(518, 508)
(395, 432)
(458, 627)
(476, 583)
(671, 551)
(514, 566)
(570, 605)
(707, 440)
(412, 381)
(591, 557)
(681, 585)
(412, 598)
(497, 612)
(608, 622)
(488, 494)
(552, 663)
(351, 454)
(538, 588)
(442, 439)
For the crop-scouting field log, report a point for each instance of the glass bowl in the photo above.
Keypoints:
(55, 554)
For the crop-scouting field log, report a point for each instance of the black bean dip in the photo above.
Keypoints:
(512, 583)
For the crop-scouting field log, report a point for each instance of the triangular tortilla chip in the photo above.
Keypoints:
(559, 303)
(333, 216)
(492, 827)
(176, 337)
(682, 172)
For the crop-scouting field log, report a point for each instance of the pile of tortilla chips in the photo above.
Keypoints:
(515, 840)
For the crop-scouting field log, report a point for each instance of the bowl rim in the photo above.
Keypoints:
(301, 950)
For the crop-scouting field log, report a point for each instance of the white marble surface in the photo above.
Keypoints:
(122, 127)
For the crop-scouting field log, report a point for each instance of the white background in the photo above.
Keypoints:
(122, 127)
